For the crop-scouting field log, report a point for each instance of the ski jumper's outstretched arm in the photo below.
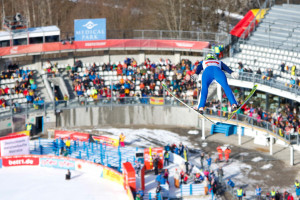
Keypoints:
(214, 73)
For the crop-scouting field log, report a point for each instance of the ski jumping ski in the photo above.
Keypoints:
(246, 100)
(203, 116)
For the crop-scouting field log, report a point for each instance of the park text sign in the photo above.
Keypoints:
(90, 29)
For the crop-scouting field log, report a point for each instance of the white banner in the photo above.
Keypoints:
(15, 146)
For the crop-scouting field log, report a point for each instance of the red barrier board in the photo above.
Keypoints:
(113, 43)
(129, 176)
(20, 161)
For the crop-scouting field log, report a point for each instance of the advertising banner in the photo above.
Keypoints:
(90, 29)
(57, 163)
(80, 136)
(20, 161)
(62, 134)
(157, 101)
(0, 163)
(18, 145)
(21, 133)
(107, 140)
(72, 135)
(113, 176)
(149, 155)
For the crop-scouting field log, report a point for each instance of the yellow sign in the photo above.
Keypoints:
(23, 132)
(157, 101)
(113, 176)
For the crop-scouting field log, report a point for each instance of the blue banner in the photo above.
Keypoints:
(0, 163)
(90, 29)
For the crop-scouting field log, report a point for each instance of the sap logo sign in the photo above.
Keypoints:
(90, 29)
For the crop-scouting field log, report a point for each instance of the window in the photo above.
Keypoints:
(22, 41)
(5, 43)
(52, 38)
(35, 40)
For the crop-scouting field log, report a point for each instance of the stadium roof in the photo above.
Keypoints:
(31, 32)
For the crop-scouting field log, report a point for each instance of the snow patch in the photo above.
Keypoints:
(257, 159)
(267, 166)
(193, 132)
(148, 137)
(244, 154)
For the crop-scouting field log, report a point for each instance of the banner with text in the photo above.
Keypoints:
(157, 101)
(90, 29)
(18, 145)
(20, 161)
(57, 163)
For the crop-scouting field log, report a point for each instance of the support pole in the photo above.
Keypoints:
(203, 129)
(271, 145)
(291, 155)
(240, 135)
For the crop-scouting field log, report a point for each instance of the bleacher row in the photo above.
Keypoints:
(256, 57)
(280, 28)
(9, 82)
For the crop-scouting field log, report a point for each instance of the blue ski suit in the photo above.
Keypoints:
(213, 71)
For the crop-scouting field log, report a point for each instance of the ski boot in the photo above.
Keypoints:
(201, 110)
(234, 107)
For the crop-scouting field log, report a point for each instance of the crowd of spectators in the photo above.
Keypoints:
(135, 80)
(268, 74)
(17, 82)
(286, 119)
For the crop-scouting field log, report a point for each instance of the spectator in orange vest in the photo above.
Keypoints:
(122, 139)
(220, 152)
(227, 152)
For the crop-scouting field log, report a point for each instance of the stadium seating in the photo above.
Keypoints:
(275, 41)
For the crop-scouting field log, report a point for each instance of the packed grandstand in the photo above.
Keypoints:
(51, 87)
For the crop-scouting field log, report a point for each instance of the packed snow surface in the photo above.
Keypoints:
(37, 183)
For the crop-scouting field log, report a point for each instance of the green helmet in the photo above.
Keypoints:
(210, 57)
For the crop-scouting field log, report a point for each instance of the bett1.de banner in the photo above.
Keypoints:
(90, 29)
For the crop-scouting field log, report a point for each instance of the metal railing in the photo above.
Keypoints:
(82, 102)
(272, 82)
(252, 25)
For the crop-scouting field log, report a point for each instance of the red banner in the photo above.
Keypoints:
(62, 134)
(73, 135)
(149, 155)
(80, 136)
(20, 161)
(98, 44)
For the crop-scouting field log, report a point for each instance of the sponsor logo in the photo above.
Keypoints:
(182, 44)
(90, 25)
(57, 163)
(8, 162)
(14, 50)
(89, 44)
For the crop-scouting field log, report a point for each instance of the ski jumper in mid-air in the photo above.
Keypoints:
(213, 70)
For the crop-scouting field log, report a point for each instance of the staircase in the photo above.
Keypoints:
(70, 89)
(41, 89)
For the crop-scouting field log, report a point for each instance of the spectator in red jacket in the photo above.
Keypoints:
(290, 197)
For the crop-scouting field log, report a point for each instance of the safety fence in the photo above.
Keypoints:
(49, 161)
(96, 152)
